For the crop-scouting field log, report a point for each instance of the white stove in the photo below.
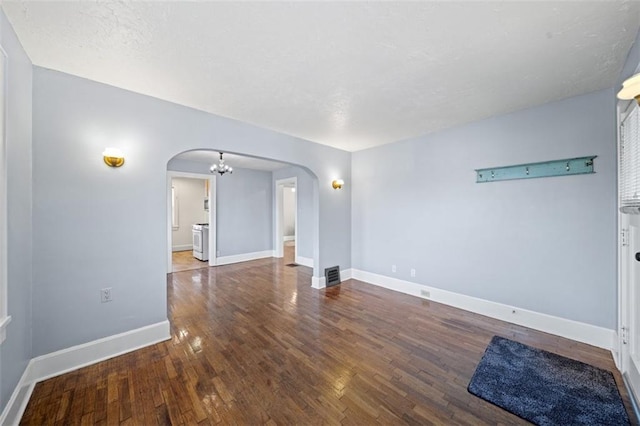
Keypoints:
(201, 241)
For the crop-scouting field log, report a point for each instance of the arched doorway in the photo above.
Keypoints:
(246, 201)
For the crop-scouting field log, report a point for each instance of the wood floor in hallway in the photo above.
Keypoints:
(253, 343)
(184, 261)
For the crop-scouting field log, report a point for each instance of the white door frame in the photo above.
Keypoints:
(628, 333)
(278, 240)
(619, 359)
(628, 312)
(212, 215)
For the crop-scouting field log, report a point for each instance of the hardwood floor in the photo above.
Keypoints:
(184, 261)
(253, 343)
(289, 253)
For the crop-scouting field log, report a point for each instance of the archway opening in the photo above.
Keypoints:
(243, 210)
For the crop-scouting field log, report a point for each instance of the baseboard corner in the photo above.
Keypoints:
(19, 399)
(346, 274)
(59, 362)
(318, 282)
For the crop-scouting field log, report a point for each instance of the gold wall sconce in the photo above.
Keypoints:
(337, 184)
(630, 89)
(113, 157)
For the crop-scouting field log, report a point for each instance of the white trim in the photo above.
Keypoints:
(4, 322)
(632, 395)
(183, 247)
(321, 282)
(615, 351)
(18, 401)
(5, 319)
(318, 282)
(289, 238)
(295, 221)
(346, 274)
(582, 332)
(236, 258)
(278, 237)
(212, 196)
(304, 261)
(175, 207)
(622, 108)
(75, 357)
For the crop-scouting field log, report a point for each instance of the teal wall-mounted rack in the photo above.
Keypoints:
(569, 166)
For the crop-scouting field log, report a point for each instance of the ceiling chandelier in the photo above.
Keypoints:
(221, 167)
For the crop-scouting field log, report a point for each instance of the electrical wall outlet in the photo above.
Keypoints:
(413, 272)
(393, 268)
(105, 295)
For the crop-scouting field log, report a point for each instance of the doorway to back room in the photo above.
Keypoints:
(190, 222)
(286, 232)
(190, 211)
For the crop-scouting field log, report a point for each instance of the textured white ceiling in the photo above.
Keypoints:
(347, 74)
(235, 161)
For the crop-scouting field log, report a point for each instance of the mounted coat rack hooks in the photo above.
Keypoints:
(565, 167)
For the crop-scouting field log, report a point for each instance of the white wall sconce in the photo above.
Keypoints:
(337, 184)
(113, 157)
(630, 89)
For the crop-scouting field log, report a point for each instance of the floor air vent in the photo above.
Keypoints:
(332, 275)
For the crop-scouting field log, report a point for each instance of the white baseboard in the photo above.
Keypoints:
(615, 350)
(318, 282)
(346, 274)
(581, 332)
(289, 238)
(304, 261)
(183, 247)
(236, 258)
(321, 282)
(75, 357)
(69, 359)
(4, 322)
(14, 409)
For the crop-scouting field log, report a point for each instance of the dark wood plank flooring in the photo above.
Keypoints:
(252, 343)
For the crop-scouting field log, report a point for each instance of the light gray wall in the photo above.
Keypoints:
(191, 195)
(245, 212)
(289, 212)
(548, 245)
(304, 192)
(16, 352)
(97, 227)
